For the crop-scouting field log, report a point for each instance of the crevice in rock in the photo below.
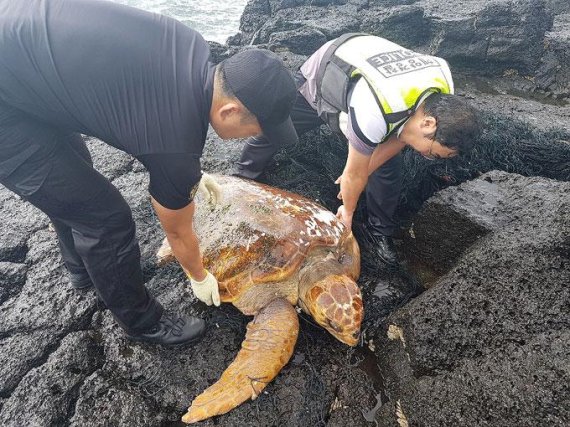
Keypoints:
(12, 279)
(34, 363)
(75, 391)
(16, 254)
(81, 325)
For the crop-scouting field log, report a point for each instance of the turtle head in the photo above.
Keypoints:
(335, 303)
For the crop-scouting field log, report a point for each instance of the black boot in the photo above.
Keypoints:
(381, 246)
(173, 330)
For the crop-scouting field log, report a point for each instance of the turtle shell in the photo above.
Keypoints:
(257, 238)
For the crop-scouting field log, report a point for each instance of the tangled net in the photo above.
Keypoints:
(506, 144)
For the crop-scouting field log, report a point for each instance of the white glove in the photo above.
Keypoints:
(206, 290)
(211, 189)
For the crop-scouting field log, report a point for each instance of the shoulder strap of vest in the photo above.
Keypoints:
(328, 55)
(390, 118)
(398, 116)
(401, 115)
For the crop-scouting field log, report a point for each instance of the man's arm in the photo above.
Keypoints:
(352, 183)
(178, 226)
(384, 152)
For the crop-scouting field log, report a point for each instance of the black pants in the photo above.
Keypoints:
(53, 170)
(383, 188)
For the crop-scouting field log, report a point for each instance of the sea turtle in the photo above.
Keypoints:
(270, 250)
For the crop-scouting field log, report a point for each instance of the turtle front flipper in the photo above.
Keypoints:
(164, 255)
(268, 346)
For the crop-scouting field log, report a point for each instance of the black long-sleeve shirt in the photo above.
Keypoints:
(141, 82)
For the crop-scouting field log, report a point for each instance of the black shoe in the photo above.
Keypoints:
(172, 330)
(80, 281)
(240, 172)
(378, 244)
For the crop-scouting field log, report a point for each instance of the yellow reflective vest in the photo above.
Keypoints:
(398, 77)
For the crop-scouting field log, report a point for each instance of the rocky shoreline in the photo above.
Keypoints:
(485, 345)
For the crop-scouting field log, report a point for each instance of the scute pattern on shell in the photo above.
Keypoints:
(259, 234)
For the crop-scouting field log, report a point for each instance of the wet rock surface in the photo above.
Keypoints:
(49, 391)
(12, 278)
(487, 344)
(511, 48)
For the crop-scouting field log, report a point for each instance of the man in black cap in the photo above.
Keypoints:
(144, 84)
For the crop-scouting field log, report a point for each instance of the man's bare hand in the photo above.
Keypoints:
(339, 195)
(345, 217)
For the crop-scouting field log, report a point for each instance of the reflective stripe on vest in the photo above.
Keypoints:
(398, 77)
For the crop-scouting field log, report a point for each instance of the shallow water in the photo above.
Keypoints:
(215, 19)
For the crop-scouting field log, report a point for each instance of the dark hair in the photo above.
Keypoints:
(458, 124)
(221, 77)
(247, 116)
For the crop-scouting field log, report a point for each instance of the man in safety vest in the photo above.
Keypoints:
(382, 97)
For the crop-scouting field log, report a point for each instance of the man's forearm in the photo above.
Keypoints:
(351, 186)
(177, 225)
(353, 180)
(186, 249)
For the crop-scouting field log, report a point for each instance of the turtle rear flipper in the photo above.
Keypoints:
(268, 346)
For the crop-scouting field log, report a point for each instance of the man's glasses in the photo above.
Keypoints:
(429, 155)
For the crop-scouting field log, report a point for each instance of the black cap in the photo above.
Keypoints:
(260, 80)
